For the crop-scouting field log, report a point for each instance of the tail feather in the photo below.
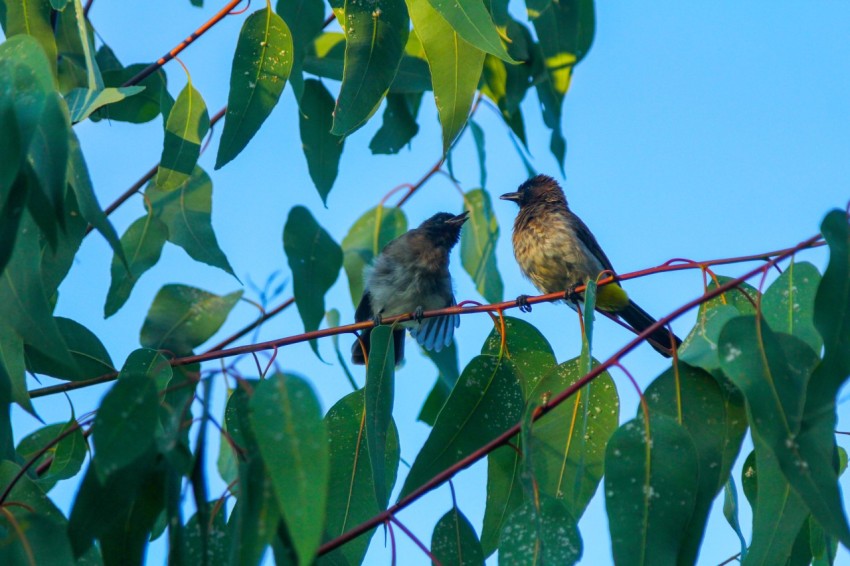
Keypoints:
(662, 339)
(365, 344)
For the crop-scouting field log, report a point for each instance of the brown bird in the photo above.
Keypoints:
(558, 252)
(411, 274)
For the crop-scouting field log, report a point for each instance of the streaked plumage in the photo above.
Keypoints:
(557, 251)
(411, 274)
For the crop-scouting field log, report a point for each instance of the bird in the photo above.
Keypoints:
(558, 252)
(411, 274)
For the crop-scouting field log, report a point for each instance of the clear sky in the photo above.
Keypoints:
(698, 131)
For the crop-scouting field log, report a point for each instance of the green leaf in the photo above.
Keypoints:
(66, 456)
(504, 494)
(34, 539)
(177, 392)
(480, 150)
(478, 245)
(188, 122)
(546, 534)
(26, 496)
(124, 425)
(375, 33)
(455, 64)
(472, 22)
(305, 19)
(13, 369)
(486, 401)
(321, 148)
(730, 511)
(315, 260)
(454, 540)
(380, 389)
(527, 348)
(351, 492)
(32, 17)
(287, 420)
(78, 178)
(142, 244)
(447, 366)
(398, 124)
(182, 318)
(217, 544)
(332, 319)
(92, 359)
(367, 237)
(187, 212)
(788, 304)
(261, 65)
(649, 501)
(569, 444)
(82, 102)
(138, 109)
(716, 423)
(778, 512)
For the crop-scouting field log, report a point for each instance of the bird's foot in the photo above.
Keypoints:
(522, 303)
(419, 314)
(378, 319)
(572, 295)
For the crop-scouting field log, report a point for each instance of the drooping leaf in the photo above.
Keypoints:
(32, 17)
(13, 370)
(142, 244)
(367, 237)
(569, 444)
(35, 539)
(321, 148)
(454, 540)
(261, 65)
(375, 33)
(398, 124)
(447, 366)
(537, 535)
(140, 108)
(380, 390)
(292, 439)
(125, 422)
(730, 511)
(92, 359)
(78, 178)
(716, 423)
(315, 260)
(351, 493)
(486, 401)
(305, 19)
(187, 124)
(469, 18)
(527, 348)
(480, 150)
(26, 496)
(182, 318)
(217, 545)
(187, 212)
(478, 245)
(788, 304)
(455, 64)
(504, 494)
(648, 500)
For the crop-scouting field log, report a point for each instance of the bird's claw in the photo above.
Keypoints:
(419, 314)
(572, 295)
(522, 303)
(377, 319)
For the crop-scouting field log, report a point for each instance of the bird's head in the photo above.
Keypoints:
(443, 229)
(539, 189)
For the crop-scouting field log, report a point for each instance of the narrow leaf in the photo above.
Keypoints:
(188, 122)
(140, 108)
(788, 304)
(32, 17)
(261, 65)
(380, 388)
(305, 19)
(82, 102)
(92, 359)
(321, 148)
(142, 244)
(187, 212)
(292, 439)
(447, 366)
(469, 18)
(398, 125)
(478, 245)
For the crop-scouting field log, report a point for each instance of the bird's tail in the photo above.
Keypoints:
(364, 344)
(662, 339)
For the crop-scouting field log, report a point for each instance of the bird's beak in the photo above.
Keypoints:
(510, 196)
(460, 218)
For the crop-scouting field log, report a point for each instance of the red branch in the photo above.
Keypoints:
(505, 305)
(153, 67)
(505, 437)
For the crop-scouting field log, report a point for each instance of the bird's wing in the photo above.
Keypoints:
(586, 236)
(364, 309)
(436, 333)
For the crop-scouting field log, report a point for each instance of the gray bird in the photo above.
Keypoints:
(411, 274)
(558, 252)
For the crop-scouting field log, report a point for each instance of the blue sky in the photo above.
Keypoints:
(702, 131)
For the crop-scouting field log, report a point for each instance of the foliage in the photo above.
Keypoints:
(771, 364)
